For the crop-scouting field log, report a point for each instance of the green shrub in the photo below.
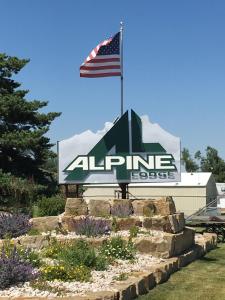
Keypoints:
(53, 249)
(52, 206)
(65, 273)
(134, 230)
(101, 263)
(118, 248)
(78, 253)
(15, 190)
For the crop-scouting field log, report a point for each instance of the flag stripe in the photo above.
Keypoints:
(100, 64)
(106, 56)
(100, 71)
(100, 75)
(99, 68)
(94, 60)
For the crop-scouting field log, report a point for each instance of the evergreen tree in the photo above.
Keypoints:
(24, 148)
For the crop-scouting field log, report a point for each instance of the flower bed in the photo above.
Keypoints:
(93, 258)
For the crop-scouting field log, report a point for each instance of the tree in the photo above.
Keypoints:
(190, 164)
(24, 148)
(212, 162)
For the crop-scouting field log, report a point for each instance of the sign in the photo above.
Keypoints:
(123, 152)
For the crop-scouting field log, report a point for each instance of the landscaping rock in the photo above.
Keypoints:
(144, 208)
(187, 258)
(149, 207)
(167, 246)
(76, 207)
(173, 223)
(99, 208)
(165, 206)
(177, 222)
(104, 295)
(161, 273)
(127, 223)
(180, 242)
(158, 247)
(44, 224)
(35, 241)
(121, 207)
(127, 290)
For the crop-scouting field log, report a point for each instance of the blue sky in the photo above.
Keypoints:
(174, 63)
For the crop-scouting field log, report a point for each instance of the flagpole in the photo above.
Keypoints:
(123, 186)
(121, 65)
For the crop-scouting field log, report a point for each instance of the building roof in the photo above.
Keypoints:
(187, 179)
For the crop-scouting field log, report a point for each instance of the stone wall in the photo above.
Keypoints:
(102, 208)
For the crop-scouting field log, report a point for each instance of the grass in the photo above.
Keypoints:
(202, 280)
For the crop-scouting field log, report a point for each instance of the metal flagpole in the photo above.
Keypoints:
(123, 186)
(121, 64)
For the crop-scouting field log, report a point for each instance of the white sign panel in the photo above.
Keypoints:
(128, 151)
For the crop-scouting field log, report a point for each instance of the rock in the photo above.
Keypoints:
(165, 206)
(68, 222)
(127, 289)
(210, 241)
(180, 242)
(172, 223)
(102, 295)
(149, 207)
(150, 281)
(121, 207)
(187, 258)
(144, 283)
(177, 222)
(145, 245)
(99, 208)
(35, 241)
(43, 224)
(75, 207)
(161, 273)
(167, 246)
(157, 223)
(144, 208)
(127, 223)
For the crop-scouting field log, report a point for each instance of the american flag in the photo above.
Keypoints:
(104, 60)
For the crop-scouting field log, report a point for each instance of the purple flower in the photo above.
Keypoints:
(13, 225)
(91, 227)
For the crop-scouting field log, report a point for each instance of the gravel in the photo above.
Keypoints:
(101, 280)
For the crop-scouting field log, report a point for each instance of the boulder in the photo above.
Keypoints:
(76, 207)
(180, 242)
(172, 223)
(165, 206)
(44, 224)
(121, 207)
(99, 208)
(36, 241)
(144, 208)
(166, 246)
(149, 207)
(177, 222)
(127, 223)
